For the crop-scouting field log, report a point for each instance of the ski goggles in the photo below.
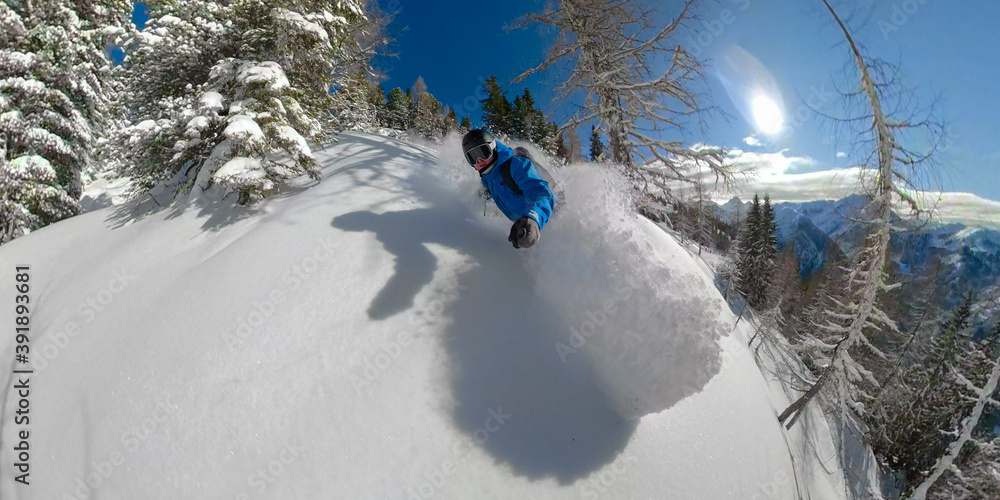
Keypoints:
(481, 152)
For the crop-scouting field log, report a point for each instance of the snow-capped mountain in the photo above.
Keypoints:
(969, 250)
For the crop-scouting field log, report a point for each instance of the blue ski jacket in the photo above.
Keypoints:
(536, 199)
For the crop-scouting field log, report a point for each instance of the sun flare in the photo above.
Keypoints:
(767, 114)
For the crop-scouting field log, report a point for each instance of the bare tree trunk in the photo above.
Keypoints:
(875, 252)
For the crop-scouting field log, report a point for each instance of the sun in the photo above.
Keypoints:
(767, 114)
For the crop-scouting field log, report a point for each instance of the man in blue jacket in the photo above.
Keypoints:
(514, 183)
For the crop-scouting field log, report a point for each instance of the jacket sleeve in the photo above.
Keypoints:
(539, 197)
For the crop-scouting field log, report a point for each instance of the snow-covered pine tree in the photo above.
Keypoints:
(466, 124)
(31, 197)
(682, 219)
(728, 270)
(397, 107)
(429, 122)
(354, 105)
(704, 220)
(751, 250)
(410, 107)
(546, 138)
(769, 241)
(216, 90)
(497, 110)
(522, 118)
(54, 103)
(418, 89)
(561, 151)
(610, 48)
(376, 99)
(450, 120)
(596, 145)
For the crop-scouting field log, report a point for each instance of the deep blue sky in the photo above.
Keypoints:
(949, 52)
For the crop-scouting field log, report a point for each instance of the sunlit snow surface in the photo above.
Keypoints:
(375, 336)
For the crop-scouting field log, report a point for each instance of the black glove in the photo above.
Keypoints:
(524, 233)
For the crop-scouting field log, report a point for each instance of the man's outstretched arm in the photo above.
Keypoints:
(536, 190)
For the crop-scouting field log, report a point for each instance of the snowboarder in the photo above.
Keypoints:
(513, 182)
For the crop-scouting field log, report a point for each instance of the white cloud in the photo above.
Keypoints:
(841, 154)
(784, 186)
(753, 141)
(770, 164)
(782, 177)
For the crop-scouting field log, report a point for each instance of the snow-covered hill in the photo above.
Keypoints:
(374, 336)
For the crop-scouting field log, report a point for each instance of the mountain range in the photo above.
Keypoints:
(968, 249)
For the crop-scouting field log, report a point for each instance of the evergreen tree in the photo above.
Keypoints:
(758, 253)
(30, 197)
(397, 109)
(466, 124)
(411, 107)
(356, 104)
(377, 101)
(497, 110)
(596, 146)
(561, 151)
(546, 138)
(751, 251)
(704, 220)
(521, 124)
(55, 103)
(429, 122)
(418, 89)
(450, 120)
(215, 89)
(769, 248)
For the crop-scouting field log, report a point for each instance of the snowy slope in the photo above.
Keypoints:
(374, 336)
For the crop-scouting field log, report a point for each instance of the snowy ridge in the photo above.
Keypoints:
(374, 336)
(834, 185)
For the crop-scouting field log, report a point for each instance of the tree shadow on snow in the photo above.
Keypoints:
(362, 159)
(501, 343)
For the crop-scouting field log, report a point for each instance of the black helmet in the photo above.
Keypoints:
(478, 144)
